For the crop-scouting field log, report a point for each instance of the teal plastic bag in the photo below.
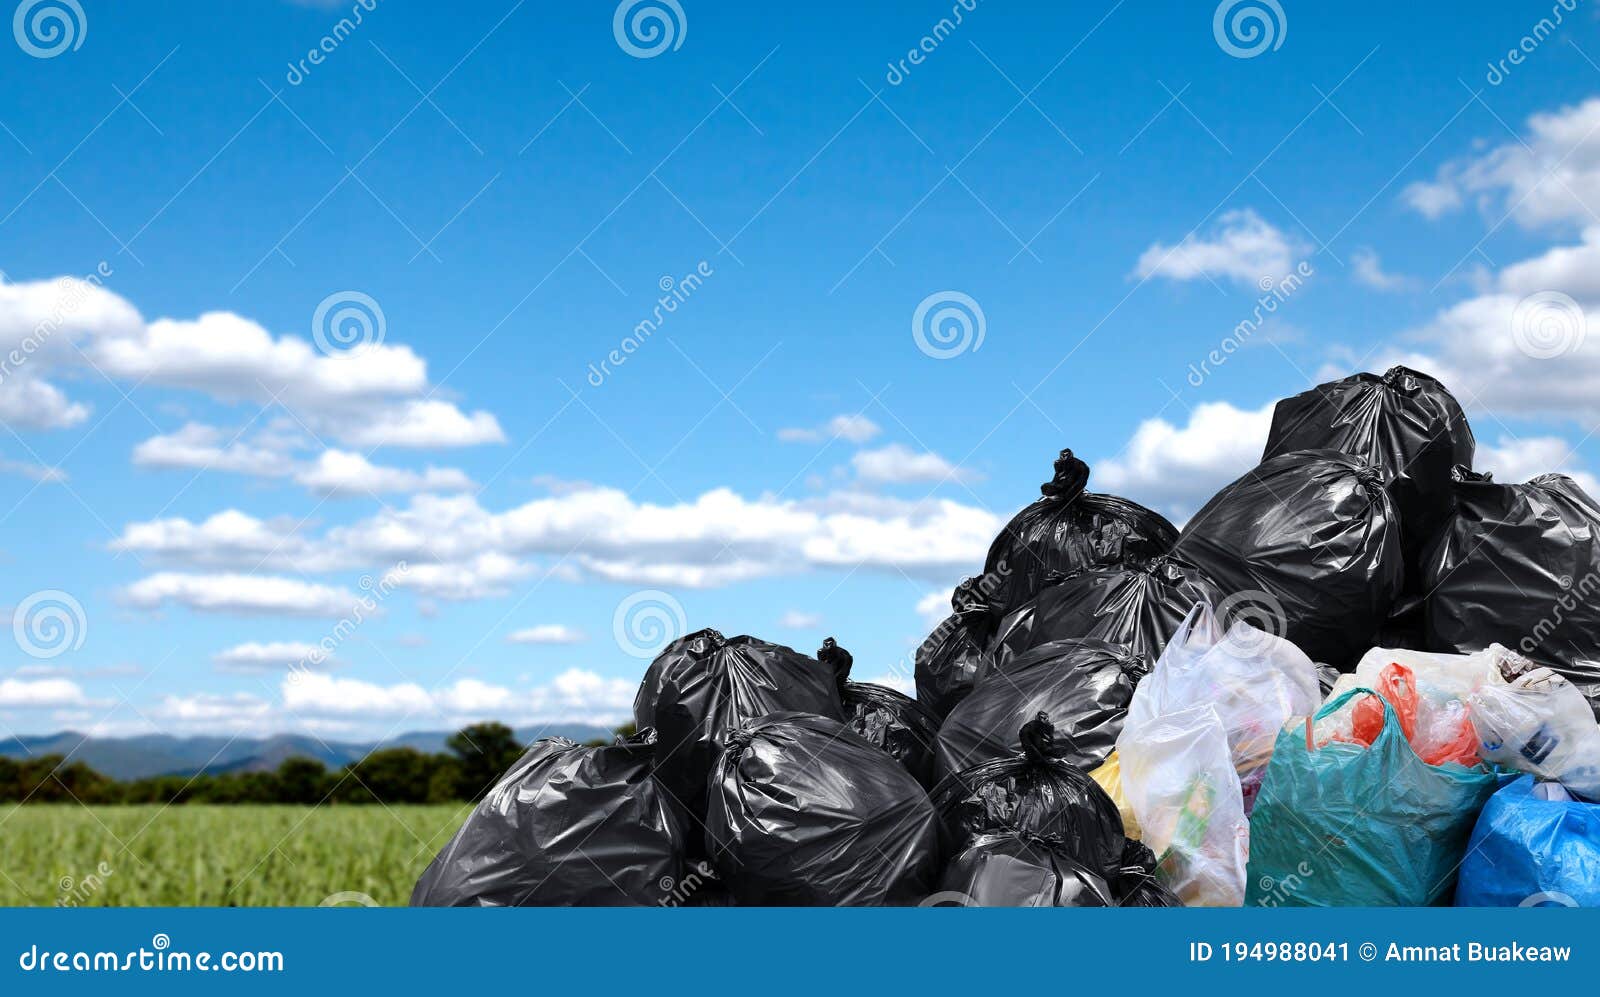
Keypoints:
(1351, 826)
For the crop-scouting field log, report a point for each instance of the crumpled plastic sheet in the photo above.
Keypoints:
(803, 812)
(704, 684)
(566, 825)
(895, 723)
(1008, 870)
(948, 659)
(1083, 685)
(1312, 533)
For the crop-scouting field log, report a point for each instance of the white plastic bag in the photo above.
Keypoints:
(1178, 775)
(1539, 722)
(1253, 680)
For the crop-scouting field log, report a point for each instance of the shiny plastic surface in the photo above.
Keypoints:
(1084, 685)
(704, 685)
(803, 812)
(1526, 851)
(566, 825)
(1520, 565)
(948, 659)
(1068, 529)
(1315, 532)
(895, 723)
(1005, 870)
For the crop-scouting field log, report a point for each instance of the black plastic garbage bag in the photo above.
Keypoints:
(1033, 792)
(1519, 565)
(1311, 533)
(566, 825)
(887, 718)
(1135, 884)
(1068, 529)
(704, 685)
(803, 812)
(894, 723)
(1403, 422)
(1009, 870)
(1084, 686)
(948, 658)
(1138, 605)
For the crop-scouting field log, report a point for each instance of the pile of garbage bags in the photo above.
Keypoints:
(1363, 673)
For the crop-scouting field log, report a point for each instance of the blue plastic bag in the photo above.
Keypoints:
(1350, 826)
(1528, 852)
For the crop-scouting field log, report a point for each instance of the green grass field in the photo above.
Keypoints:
(236, 856)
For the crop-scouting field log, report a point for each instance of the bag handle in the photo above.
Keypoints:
(1199, 624)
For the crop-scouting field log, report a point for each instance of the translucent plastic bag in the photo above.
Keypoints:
(1531, 848)
(1540, 723)
(1439, 727)
(1179, 776)
(1109, 776)
(1253, 680)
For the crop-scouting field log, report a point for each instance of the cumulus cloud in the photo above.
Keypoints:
(1514, 460)
(899, 464)
(1548, 176)
(237, 593)
(456, 548)
(794, 619)
(547, 633)
(1241, 246)
(199, 446)
(376, 394)
(340, 473)
(852, 428)
(575, 695)
(44, 693)
(256, 656)
(1176, 469)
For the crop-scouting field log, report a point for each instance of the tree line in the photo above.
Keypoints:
(474, 759)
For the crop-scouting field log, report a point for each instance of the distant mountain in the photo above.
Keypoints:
(162, 754)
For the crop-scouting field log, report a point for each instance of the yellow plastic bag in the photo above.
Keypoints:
(1109, 776)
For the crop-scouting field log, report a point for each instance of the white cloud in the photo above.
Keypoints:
(899, 464)
(199, 446)
(235, 713)
(235, 593)
(547, 633)
(794, 619)
(1175, 470)
(1551, 176)
(37, 472)
(45, 693)
(1368, 270)
(1515, 460)
(257, 656)
(935, 606)
(898, 683)
(341, 473)
(372, 395)
(574, 695)
(853, 428)
(455, 548)
(1242, 246)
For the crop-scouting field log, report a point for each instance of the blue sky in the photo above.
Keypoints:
(204, 490)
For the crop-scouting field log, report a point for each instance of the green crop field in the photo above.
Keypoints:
(66, 854)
